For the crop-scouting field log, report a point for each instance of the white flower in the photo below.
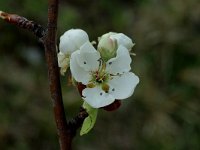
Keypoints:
(72, 40)
(108, 40)
(105, 81)
(107, 46)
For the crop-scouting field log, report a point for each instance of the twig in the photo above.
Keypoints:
(65, 137)
(77, 121)
(24, 23)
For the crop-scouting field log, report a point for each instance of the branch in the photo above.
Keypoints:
(24, 23)
(77, 121)
(66, 130)
(64, 134)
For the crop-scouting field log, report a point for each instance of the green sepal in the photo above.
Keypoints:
(89, 122)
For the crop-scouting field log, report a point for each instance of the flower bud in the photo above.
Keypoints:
(72, 40)
(107, 46)
(109, 42)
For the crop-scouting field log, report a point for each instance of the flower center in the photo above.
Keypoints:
(100, 77)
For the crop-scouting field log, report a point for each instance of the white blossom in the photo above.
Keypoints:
(109, 42)
(70, 41)
(107, 46)
(105, 81)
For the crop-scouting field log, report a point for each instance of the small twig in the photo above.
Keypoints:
(77, 121)
(65, 137)
(24, 23)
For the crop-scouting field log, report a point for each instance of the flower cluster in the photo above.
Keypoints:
(104, 72)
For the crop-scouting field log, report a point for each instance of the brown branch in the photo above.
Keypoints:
(64, 134)
(24, 23)
(66, 129)
(77, 121)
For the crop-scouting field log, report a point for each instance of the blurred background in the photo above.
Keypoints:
(163, 113)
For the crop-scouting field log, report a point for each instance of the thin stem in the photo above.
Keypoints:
(24, 23)
(65, 137)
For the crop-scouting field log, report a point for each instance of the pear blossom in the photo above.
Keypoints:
(107, 46)
(109, 42)
(105, 81)
(70, 41)
(120, 38)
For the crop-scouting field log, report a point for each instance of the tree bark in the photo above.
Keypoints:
(65, 137)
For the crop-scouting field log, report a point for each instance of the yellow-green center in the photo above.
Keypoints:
(100, 78)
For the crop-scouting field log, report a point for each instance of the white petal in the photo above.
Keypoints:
(89, 61)
(123, 86)
(121, 63)
(87, 47)
(63, 60)
(72, 40)
(124, 40)
(96, 97)
(78, 73)
(89, 57)
(107, 35)
(67, 46)
(80, 37)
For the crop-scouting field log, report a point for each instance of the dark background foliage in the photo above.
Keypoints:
(163, 113)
